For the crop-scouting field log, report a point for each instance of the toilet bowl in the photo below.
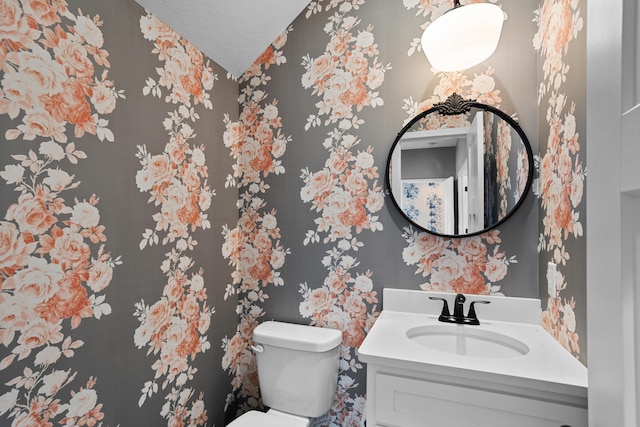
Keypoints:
(297, 371)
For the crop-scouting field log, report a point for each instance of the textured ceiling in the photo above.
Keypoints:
(231, 32)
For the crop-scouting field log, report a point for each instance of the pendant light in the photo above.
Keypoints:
(463, 37)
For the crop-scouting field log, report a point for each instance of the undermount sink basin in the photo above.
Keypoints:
(467, 340)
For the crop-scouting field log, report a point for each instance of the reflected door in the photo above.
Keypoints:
(475, 144)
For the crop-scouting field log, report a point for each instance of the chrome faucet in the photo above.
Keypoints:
(458, 311)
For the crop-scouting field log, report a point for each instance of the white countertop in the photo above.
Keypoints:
(546, 370)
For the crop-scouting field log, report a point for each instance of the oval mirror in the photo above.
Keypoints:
(459, 168)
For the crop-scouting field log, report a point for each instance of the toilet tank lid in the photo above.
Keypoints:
(297, 337)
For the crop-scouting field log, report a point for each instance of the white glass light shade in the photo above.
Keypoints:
(463, 37)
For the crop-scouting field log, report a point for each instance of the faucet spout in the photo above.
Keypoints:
(458, 306)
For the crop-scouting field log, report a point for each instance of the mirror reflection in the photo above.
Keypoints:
(459, 168)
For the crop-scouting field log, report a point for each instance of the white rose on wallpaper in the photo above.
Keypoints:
(176, 67)
(363, 283)
(38, 74)
(375, 78)
(320, 67)
(31, 215)
(334, 204)
(306, 194)
(357, 183)
(52, 382)
(37, 333)
(174, 199)
(150, 27)
(375, 201)
(577, 188)
(38, 122)
(100, 275)
(89, 31)
(197, 409)
(411, 254)
(160, 168)
(277, 259)
(198, 157)
(14, 315)
(47, 356)
(364, 39)
(144, 180)
(357, 63)
(483, 84)
(269, 222)
(197, 283)
(14, 250)
(74, 57)
(337, 162)
(364, 160)
(496, 269)
(204, 201)
(103, 98)
(446, 269)
(13, 174)
(8, 401)
(82, 402)
(191, 177)
(270, 112)
(38, 282)
(52, 150)
(70, 251)
(85, 215)
(569, 318)
(57, 179)
(320, 299)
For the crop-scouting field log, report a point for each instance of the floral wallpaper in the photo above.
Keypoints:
(562, 174)
(345, 193)
(55, 262)
(175, 327)
(256, 142)
(82, 86)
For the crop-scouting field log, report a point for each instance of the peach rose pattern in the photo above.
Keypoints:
(345, 192)
(54, 265)
(256, 143)
(561, 171)
(470, 265)
(174, 328)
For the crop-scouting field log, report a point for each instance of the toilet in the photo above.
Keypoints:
(298, 374)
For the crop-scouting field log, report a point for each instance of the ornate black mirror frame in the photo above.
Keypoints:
(455, 105)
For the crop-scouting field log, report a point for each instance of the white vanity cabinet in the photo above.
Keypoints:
(397, 398)
(416, 379)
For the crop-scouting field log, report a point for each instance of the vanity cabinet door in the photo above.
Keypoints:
(408, 402)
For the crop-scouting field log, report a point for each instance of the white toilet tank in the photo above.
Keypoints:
(297, 367)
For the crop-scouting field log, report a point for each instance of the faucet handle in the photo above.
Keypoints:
(445, 307)
(472, 311)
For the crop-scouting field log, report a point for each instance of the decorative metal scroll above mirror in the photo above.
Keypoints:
(460, 168)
